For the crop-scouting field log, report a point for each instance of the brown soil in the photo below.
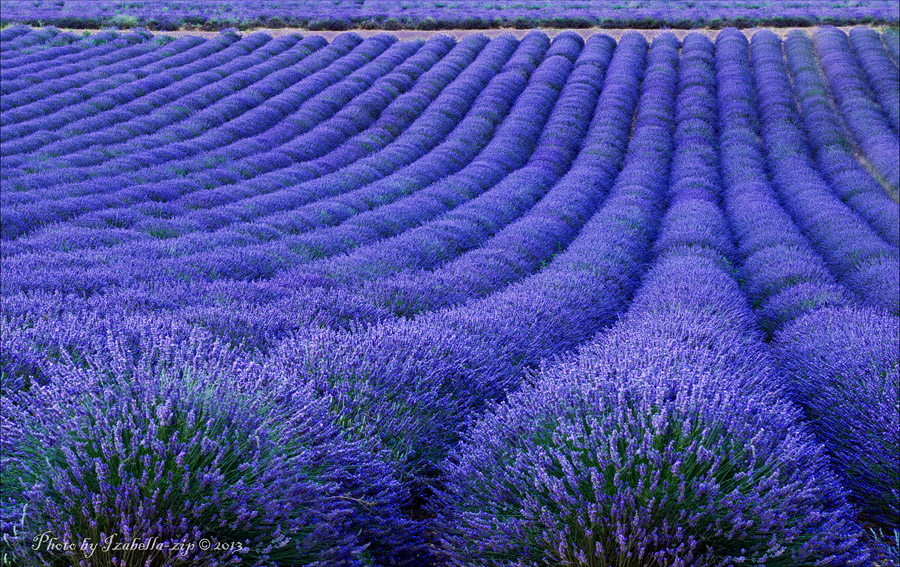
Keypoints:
(615, 33)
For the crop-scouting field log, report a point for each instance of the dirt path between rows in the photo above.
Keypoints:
(615, 33)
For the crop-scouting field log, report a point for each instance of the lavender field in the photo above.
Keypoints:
(490, 302)
(443, 14)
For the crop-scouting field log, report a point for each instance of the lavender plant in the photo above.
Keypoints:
(475, 302)
(842, 366)
(190, 448)
(866, 120)
(666, 441)
(833, 146)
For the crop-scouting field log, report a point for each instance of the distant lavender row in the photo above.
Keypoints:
(880, 70)
(473, 124)
(661, 442)
(260, 289)
(862, 261)
(782, 275)
(891, 38)
(82, 50)
(444, 14)
(868, 122)
(830, 143)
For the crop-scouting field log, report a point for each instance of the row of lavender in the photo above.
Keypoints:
(445, 14)
(349, 252)
(243, 194)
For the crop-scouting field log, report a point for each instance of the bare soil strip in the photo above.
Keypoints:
(615, 33)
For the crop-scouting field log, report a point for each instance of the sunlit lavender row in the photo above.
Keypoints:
(496, 302)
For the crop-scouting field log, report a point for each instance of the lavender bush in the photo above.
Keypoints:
(188, 442)
(664, 442)
(867, 121)
(389, 302)
(841, 366)
(832, 146)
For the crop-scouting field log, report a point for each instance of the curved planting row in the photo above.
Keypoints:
(469, 205)
(56, 61)
(433, 126)
(279, 118)
(447, 135)
(190, 94)
(519, 130)
(368, 123)
(833, 152)
(781, 273)
(861, 260)
(205, 129)
(11, 33)
(881, 72)
(842, 368)
(866, 120)
(560, 214)
(23, 108)
(666, 440)
(821, 352)
(579, 93)
(283, 92)
(217, 104)
(25, 43)
(415, 383)
(529, 243)
(891, 39)
(182, 81)
(407, 109)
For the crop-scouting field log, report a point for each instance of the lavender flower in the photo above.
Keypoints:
(841, 366)
(189, 441)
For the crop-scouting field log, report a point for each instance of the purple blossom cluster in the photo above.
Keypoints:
(443, 14)
(861, 260)
(841, 367)
(782, 275)
(832, 147)
(868, 122)
(667, 439)
(178, 440)
(384, 302)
